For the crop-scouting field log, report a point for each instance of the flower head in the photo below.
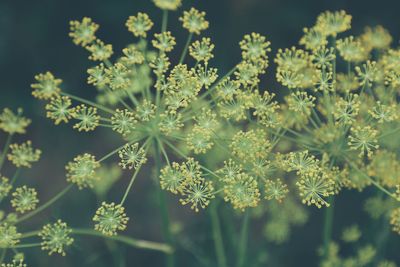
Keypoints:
(83, 32)
(55, 237)
(46, 87)
(5, 187)
(82, 170)
(139, 25)
(384, 113)
(97, 76)
(13, 123)
(250, 145)
(202, 50)
(363, 139)
(132, 55)
(132, 157)
(395, 220)
(123, 121)
(99, 50)
(194, 20)
(199, 140)
(164, 41)
(314, 187)
(168, 4)
(59, 109)
(351, 49)
(351, 234)
(169, 122)
(206, 76)
(87, 117)
(197, 192)
(367, 74)
(242, 191)
(23, 155)
(145, 111)
(117, 76)
(254, 47)
(377, 37)
(110, 218)
(346, 110)
(313, 38)
(275, 190)
(24, 199)
(172, 178)
(332, 23)
(9, 235)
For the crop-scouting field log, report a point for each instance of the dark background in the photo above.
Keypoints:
(34, 38)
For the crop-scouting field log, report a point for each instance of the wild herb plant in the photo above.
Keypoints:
(212, 135)
(20, 202)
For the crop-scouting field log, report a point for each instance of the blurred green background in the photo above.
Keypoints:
(34, 38)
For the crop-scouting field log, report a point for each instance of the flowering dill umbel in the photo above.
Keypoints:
(55, 237)
(229, 137)
(9, 236)
(110, 218)
(23, 155)
(24, 199)
(82, 170)
(13, 123)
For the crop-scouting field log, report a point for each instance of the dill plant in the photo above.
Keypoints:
(24, 201)
(213, 135)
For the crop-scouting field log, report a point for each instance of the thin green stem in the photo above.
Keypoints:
(128, 189)
(163, 151)
(170, 261)
(45, 205)
(316, 115)
(242, 246)
(217, 235)
(132, 98)
(164, 20)
(29, 234)
(90, 103)
(277, 138)
(137, 243)
(185, 49)
(107, 63)
(5, 150)
(328, 223)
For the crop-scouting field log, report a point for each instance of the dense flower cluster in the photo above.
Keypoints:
(230, 138)
(188, 110)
